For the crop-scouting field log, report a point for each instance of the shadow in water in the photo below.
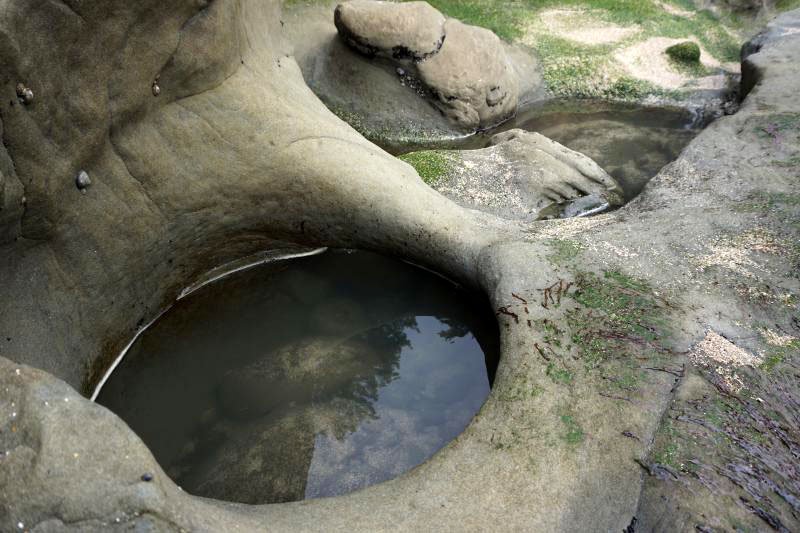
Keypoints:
(307, 378)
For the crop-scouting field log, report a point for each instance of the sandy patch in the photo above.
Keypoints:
(647, 60)
(580, 26)
(720, 356)
(570, 227)
(735, 254)
(674, 10)
(776, 339)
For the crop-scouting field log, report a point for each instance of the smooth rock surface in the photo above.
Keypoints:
(471, 77)
(524, 175)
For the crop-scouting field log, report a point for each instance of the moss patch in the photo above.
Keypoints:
(573, 432)
(623, 312)
(564, 250)
(616, 325)
(686, 52)
(431, 165)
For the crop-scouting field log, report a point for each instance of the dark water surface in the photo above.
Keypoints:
(630, 142)
(307, 377)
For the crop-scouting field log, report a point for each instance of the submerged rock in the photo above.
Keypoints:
(304, 371)
(465, 69)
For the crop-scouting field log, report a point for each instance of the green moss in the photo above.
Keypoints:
(559, 374)
(762, 201)
(431, 165)
(564, 250)
(686, 52)
(574, 432)
(786, 5)
(621, 311)
(777, 355)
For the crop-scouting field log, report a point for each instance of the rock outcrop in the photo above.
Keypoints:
(409, 31)
(524, 175)
(464, 69)
(235, 155)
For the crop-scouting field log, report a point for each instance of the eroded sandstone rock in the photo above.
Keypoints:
(465, 68)
(410, 31)
(526, 175)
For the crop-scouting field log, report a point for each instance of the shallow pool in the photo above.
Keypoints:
(307, 377)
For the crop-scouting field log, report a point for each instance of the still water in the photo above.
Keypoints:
(630, 142)
(307, 377)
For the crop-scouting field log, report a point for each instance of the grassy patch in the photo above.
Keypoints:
(786, 5)
(508, 19)
(574, 70)
(573, 431)
(776, 355)
(560, 374)
(763, 201)
(503, 18)
(431, 165)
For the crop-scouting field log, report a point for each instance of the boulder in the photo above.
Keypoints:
(471, 78)
(410, 31)
(464, 69)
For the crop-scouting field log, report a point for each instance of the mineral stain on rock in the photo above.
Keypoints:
(307, 378)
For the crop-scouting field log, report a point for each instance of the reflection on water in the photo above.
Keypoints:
(307, 378)
(630, 142)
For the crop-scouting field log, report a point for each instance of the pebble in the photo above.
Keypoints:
(156, 88)
(400, 72)
(83, 180)
(24, 93)
(147, 477)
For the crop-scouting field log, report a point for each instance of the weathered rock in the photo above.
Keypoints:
(236, 155)
(471, 77)
(410, 31)
(467, 72)
(523, 175)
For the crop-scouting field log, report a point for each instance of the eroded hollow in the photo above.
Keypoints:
(631, 142)
(307, 377)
